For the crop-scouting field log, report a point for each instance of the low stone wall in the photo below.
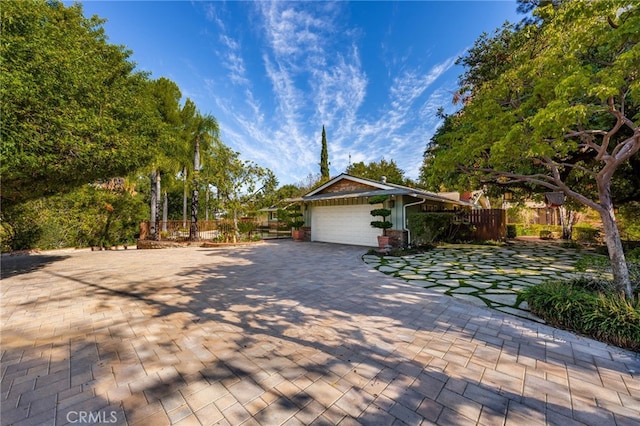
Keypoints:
(152, 244)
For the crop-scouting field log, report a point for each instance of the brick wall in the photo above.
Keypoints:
(307, 233)
(398, 238)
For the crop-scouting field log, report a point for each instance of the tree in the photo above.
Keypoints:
(202, 131)
(238, 182)
(170, 147)
(324, 158)
(565, 110)
(376, 169)
(73, 109)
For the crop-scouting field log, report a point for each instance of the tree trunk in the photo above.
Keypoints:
(184, 197)
(158, 194)
(619, 266)
(206, 209)
(567, 220)
(153, 231)
(235, 226)
(193, 231)
(165, 211)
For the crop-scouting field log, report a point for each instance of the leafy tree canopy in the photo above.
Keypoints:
(376, 169)
(73, 108)
(563, 114)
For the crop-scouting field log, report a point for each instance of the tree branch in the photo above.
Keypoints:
(539, 179)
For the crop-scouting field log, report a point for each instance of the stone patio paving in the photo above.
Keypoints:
(483, 275)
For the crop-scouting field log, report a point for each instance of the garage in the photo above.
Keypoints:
(344, 224)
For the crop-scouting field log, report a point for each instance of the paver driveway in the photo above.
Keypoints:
(283, 333)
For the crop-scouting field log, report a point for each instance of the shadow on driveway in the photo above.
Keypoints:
(295, 329)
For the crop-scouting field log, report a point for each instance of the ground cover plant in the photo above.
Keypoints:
(591, 305)
(587, 306)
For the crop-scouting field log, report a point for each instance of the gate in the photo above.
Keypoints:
(490, 224)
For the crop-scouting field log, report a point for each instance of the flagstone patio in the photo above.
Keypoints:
(483, 275)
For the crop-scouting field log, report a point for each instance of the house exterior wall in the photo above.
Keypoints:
(399, 237)
(347, 186)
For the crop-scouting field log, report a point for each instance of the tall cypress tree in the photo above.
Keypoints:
(324, 158)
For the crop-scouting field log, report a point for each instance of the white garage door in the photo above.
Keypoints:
(344, 225)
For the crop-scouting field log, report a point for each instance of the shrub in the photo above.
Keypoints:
(427, 228)
(511, 231)
(535, 229)
(295, 216)
(247, 226)
(586, 234)
(633, 255)
(584, 306)
(383, 224)
(570, 245)
(87, 216)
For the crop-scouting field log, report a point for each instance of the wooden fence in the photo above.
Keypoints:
(490, 224)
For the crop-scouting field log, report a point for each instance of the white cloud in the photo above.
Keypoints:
(312, 66)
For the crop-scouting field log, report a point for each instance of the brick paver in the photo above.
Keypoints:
(282, 333)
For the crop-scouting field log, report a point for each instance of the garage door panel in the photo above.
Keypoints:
(344, 224)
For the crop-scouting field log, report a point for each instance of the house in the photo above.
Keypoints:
(267, 216)
(339, 211)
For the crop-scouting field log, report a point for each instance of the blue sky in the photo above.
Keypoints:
(272, 73)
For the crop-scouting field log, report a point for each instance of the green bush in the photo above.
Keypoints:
(587, 307)
(535, 229)
(88, 216)
(633, 255)
(570, 245)
(428, 228)
(586, 234)
(295, 216)
(384, 223)
(247, 226)
(512, 231)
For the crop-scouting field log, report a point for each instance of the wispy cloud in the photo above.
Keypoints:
(312, 66)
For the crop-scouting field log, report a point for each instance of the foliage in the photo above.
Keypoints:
(586, 234)
(511, 231)
(561, 112)
(429, 228)
(87, 216)
(73, 109)
(634, 255)
(598, 267)
(384, 223)
(628, 220)
(378, 199)
(581, 305)
(247, 226)
(238, 183)
(324, 158)
(283, 219)
(295, 216)
(376, 169)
